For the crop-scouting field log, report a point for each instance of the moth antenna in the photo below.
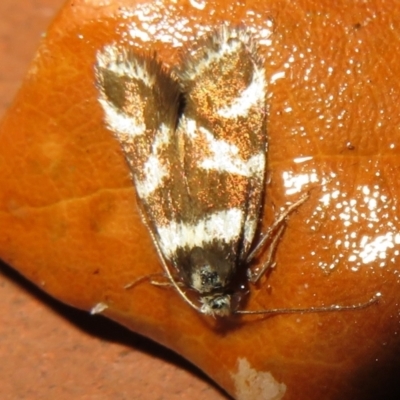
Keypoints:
(176, 286)
(310, 310)
(171, 278)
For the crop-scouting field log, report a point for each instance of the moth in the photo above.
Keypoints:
(195, 140)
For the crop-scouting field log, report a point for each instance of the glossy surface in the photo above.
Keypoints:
(333, 131)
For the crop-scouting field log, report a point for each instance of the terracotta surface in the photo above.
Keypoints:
(52, 351)
(69, 221)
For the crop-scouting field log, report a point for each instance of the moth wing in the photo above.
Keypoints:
(223, 136)
(141, 101)
(202, 182)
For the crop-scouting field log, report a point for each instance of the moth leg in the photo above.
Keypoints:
(273, 236)
(281, 218)
(152, 278)
(254, 276)
(165, 284)
(142, 279)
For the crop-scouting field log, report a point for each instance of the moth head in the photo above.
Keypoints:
(209, 274)
(218, 305)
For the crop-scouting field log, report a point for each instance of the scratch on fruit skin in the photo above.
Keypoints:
(251, 384)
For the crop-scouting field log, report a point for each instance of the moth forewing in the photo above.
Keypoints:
(224, 141)
(141, 102)
(224, 128)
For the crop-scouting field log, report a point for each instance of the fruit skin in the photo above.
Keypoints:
(70, 223)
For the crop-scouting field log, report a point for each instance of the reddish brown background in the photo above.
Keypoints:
(51, 351)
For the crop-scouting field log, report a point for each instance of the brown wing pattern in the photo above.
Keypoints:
(194, 138)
